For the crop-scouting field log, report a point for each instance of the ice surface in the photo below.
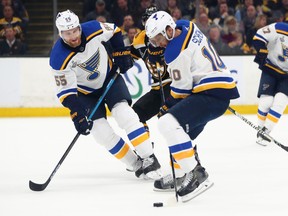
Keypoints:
(249, 179)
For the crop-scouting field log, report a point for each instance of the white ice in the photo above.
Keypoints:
(248, 179)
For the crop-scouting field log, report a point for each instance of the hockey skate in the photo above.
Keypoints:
(137, 168)
(261, 139)
(166, 183)
(195, 183)
(151, 167)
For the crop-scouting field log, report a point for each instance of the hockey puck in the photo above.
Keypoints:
(158, 204)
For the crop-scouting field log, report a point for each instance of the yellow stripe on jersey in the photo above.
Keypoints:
(275, 69)
(177, 95)
(282, 32)
(209, 86)
(67, 60)
(62, 98)
(94, 34)
(184, 154)
(122, 152)
(188, 36)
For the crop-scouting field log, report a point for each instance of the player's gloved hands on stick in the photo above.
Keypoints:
(122, 59)
(82, 124)
(163, 110)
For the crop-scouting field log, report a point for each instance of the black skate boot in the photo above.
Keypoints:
(196, 182)
(166, 183)
(151, 167)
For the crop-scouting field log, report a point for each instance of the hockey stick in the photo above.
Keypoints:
(258, 129)
(40, 187)
(163, 102)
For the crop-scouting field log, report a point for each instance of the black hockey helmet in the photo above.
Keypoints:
(148, 12)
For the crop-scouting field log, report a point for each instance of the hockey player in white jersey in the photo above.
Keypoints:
(201, 90)
(271, 43)
(82, 68)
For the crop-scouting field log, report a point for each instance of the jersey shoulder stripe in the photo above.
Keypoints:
(179, 43)
(91, 29)
(281, 28)
(60, 56)
(139, 40)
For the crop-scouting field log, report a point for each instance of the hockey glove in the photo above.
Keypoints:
(122, 59)
(82, 124)
(163, 110)
(260, 57)
(156, 54)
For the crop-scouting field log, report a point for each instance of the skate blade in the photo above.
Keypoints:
(164, 190)
(262, 143)
(202, 188)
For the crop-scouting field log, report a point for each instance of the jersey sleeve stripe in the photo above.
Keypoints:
(260, 37)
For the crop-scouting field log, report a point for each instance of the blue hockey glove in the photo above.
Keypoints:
(122, 59)
(82, 124)
(260, 57)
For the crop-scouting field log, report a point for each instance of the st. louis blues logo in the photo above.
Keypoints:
(285, 53)
(91, 66)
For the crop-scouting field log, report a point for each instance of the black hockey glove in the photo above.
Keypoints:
(82, 124)
(260, 57)
(122, 59)
(156, 54)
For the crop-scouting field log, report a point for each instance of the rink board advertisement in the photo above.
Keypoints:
(29, 83)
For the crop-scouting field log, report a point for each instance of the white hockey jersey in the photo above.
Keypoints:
(86, 67)
(195, 66)
(275, 39)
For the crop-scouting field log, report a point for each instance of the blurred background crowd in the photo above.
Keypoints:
(229, 24)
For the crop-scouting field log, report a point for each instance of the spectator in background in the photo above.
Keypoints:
(237, 46)
(229, 30)
(172, 5)
(221, 15)
(18, 7)
(139, 10)
(260, 21)
(119, 10)
(131, 32)
(11, 45)
(176, 14)
(250, 18)
(101, 19)
(100, 10)
(128, 22)
(10, 19)
(203, 23)
(221, 10)
(214, 35)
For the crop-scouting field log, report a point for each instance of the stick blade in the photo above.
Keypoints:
(37, 187)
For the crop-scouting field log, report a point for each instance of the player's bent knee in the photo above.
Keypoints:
(104, 134)
(168, 123)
